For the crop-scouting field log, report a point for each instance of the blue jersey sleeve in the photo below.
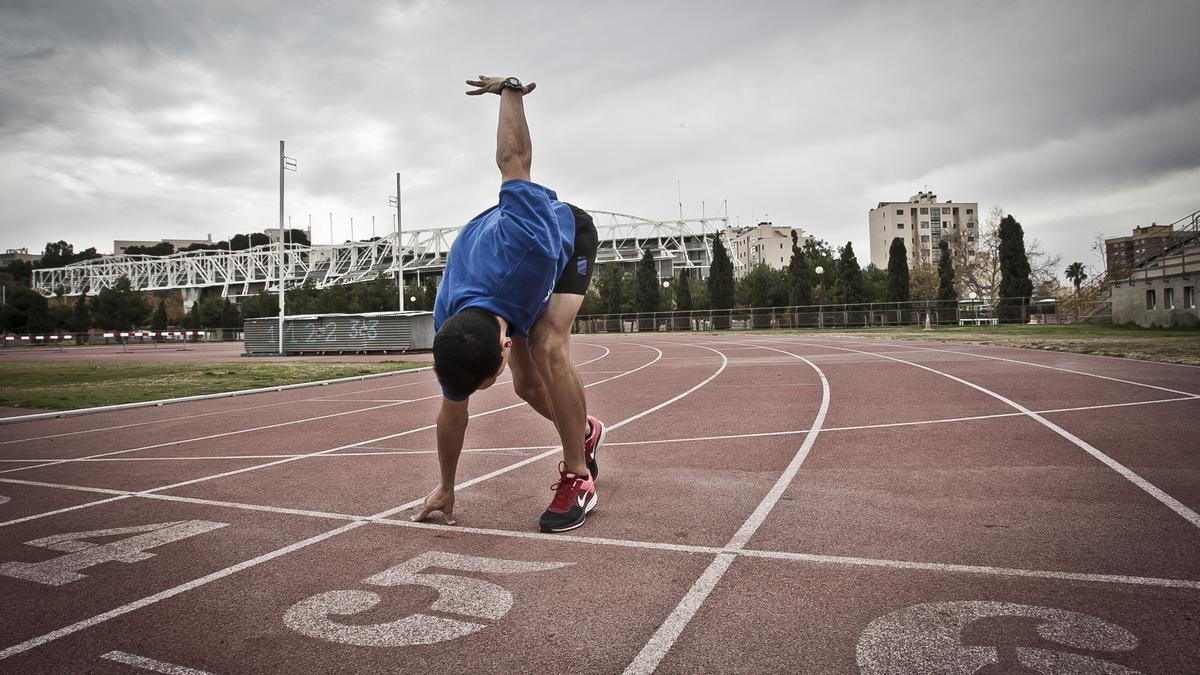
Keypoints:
(528, 207)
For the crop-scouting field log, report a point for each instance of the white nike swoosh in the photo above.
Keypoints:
(582, 499)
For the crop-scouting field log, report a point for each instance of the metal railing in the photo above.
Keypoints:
(863, 315)
(61, 339)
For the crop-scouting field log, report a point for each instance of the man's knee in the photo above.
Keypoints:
(527, 389)
(549, 348)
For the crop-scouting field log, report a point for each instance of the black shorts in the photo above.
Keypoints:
(578, 274)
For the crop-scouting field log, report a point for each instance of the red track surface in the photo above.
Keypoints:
(798, 504)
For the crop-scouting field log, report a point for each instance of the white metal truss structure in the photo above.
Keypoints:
(623, 238)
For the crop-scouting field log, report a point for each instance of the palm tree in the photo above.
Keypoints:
(1076, 274)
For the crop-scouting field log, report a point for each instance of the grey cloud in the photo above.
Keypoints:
(167, 114)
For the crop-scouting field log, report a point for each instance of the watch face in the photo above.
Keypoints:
(512, 83)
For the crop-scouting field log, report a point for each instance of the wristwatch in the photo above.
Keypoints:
(512, 83)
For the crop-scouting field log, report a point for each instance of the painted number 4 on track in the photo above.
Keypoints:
(82, 554)
(464, 596)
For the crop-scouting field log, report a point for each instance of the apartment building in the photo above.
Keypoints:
(763, 243)
(1124, 254)
(922, 222)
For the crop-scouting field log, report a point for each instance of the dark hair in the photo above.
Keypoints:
(466, 351)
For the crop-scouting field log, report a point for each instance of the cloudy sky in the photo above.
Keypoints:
(148, 120)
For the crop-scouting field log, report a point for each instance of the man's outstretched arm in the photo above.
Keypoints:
(514, 150)
(451, 429)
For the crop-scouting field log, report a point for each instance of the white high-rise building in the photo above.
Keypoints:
(922, 222)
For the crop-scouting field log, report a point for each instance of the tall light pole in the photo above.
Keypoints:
(285, 164)
(395, 201)
(820, 297)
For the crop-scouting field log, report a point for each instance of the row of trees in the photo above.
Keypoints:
(842, 279)
(238, 242)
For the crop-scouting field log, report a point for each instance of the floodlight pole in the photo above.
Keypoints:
(281, 251)
(285, 164)
(395, 201)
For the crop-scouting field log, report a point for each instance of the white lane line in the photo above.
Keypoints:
(1146, 486)
(381, 452)
(386, 451)
(986, 570)
(209, 437)
(396, 435)
(664, 638)
(1054, 351)
(171, 592)
(151, 664)
(361, 400)
(658, 355)
(180, 418)
(121, 407)
(1043, 365)
(55, 512)
(330, 397)
(63, 486)
(530, 460)
(157, 597)
(260, 428)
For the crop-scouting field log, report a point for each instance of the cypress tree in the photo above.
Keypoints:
(1015, 284)
(848, 288)
(683, 293)
(799, 280)
(720, 278)
(82, 320)
(897, 271)
(229, 315)
(947, 296)
(159, 320)
(609, 286)
(647, 283)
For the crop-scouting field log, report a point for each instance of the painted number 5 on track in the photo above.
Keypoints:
(465, 596)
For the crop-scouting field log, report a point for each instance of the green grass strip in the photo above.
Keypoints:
(67, 386)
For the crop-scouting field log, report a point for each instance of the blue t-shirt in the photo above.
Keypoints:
(508, 258)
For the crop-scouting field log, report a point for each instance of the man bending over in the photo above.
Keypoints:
(515, 278)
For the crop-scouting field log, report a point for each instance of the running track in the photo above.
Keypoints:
(767, 503)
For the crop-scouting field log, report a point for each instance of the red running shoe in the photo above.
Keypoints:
(591, 444)
(574, 497)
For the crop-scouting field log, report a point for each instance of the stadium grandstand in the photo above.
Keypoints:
(676, 244)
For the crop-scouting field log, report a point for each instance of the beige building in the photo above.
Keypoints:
(762, 244)
(922, 222)
(13, 255)
(273, 233)
(120, 245)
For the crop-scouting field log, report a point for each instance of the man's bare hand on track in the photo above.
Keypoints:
(441, 499)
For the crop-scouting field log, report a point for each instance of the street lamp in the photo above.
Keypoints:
(974, 307)
(820, 297)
